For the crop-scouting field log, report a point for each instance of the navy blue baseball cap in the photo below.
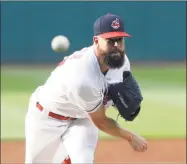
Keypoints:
(109, 26)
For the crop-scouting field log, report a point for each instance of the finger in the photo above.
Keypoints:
(145, 146)
(138, 149)
(141, 149)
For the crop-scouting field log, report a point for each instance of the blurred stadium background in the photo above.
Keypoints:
(157, 51)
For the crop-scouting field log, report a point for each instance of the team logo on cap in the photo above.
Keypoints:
(115, 24)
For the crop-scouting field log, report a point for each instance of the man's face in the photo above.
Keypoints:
(113, 51)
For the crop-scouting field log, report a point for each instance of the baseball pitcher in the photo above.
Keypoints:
(69, 107)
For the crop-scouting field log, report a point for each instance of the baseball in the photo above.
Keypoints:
(60, 44)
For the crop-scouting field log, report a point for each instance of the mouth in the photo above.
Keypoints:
(116, 54)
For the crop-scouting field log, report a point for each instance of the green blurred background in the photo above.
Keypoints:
(156, 50)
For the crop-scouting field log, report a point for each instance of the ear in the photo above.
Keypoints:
(95, 40)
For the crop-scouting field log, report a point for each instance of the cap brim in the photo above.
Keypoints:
(114, 34)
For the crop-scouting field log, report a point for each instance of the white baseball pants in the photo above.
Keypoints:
(44, 135)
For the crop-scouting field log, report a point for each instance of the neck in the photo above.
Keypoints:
(100, 58)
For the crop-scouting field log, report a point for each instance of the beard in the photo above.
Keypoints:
(114, 59)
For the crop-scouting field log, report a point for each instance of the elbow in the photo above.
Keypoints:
(101, 125)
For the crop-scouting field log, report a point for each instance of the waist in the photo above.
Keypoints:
(54, 115)
(58, 105)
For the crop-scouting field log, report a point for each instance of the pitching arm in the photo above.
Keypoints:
(108, 125)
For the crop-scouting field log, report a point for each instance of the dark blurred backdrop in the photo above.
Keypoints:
(158, 29)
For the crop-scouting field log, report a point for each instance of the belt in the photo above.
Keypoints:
(54, 115)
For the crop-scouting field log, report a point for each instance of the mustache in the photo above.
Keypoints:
(116, 51)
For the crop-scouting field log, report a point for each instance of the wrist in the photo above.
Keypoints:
(127, 135)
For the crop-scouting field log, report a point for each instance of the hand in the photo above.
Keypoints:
(138, 143)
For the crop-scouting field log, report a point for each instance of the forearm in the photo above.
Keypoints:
(111, 127)
(108, 125)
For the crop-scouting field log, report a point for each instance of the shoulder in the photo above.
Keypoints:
(86, 64)
(82, 57)
(77, 61)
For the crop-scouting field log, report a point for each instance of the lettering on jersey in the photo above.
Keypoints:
(63, 61)
(75, 55)
(70, 57)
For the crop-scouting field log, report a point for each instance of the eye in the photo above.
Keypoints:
(119, 39)
(112, 41)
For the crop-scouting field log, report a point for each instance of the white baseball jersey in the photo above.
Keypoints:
(76, 87)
